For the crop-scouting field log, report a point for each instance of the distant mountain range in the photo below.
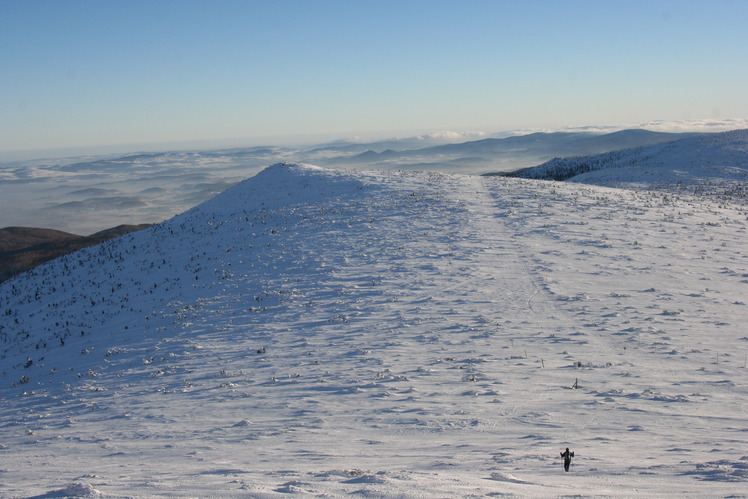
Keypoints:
(504, 154)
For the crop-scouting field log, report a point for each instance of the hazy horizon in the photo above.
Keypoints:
(297, 141)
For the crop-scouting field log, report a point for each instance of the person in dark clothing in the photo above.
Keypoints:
(567, 455)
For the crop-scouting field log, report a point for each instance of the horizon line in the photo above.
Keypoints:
(312, 139)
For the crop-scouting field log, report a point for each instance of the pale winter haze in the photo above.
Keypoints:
(331, 332)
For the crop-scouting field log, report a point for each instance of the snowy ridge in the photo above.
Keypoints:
(88, 194)
(386, 334)
(713, 164)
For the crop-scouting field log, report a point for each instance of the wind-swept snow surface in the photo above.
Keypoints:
(323, 333)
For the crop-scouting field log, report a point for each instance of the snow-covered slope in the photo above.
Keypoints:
(323, 333)
(712, 164)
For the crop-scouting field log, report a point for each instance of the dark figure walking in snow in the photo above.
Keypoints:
(567, 455)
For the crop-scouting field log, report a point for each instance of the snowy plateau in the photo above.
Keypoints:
(322, 332)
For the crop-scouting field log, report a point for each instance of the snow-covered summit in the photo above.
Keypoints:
(282, 184)
(324, 332)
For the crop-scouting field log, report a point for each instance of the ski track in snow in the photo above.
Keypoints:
(325, 333)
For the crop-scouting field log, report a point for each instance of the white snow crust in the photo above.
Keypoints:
(323, 333)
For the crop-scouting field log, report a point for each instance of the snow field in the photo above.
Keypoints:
(318, 332)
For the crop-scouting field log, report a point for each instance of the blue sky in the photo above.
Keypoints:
(77, 73)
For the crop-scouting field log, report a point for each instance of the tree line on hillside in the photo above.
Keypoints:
(23, 248)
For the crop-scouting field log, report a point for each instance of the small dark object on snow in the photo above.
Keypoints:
(567, 455)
